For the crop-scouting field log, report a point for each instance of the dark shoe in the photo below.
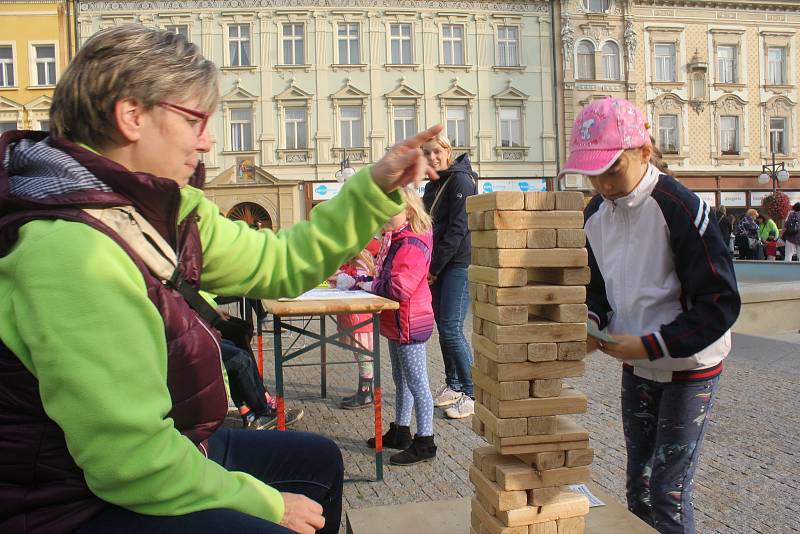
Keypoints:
(361, 399)
(398, 437)
(260, 422)
(422, 449)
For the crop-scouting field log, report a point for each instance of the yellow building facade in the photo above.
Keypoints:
(35, 46)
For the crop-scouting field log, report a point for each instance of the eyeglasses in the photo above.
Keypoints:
(199, 125)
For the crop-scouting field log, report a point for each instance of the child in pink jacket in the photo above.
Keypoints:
(402, 276)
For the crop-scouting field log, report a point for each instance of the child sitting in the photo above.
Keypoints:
(771, 246)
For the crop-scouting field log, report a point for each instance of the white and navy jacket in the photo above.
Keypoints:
(661, 270)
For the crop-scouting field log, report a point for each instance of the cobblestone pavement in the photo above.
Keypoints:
(748, 479)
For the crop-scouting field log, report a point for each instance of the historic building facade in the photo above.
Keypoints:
(718, 81)
(307, 84)
(35, 44)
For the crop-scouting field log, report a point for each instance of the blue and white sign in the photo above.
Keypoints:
(520, 184)
(709, 196)
(324, 190)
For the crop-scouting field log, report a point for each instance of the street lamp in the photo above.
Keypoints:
(345, 170)
(773, 171)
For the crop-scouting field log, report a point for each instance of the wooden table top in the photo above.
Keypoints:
(294, 308)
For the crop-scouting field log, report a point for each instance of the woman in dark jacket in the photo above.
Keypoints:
(445, 199)
(725, 225)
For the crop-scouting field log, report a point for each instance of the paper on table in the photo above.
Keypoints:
(582, 488)
(330, 294)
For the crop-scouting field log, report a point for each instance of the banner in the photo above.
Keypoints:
(517, 184)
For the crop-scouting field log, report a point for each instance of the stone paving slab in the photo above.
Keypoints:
(748, 479)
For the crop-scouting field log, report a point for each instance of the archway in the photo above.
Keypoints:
(254, 215)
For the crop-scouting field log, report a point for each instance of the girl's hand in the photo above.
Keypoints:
(431, 279)
(625, 348)
(344, 281)
(404, 163)
(366, 286)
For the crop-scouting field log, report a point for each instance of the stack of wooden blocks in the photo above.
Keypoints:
(527, 281)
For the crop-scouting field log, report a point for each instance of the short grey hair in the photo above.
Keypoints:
(128, 61)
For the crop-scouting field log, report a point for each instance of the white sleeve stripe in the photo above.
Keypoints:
(661, 344)
(702, 229)
(700, 210)
(701, 221)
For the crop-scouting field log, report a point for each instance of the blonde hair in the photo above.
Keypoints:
(365, 257)
(418, 219)
(128, 61)
(443, 142)
(752, 212)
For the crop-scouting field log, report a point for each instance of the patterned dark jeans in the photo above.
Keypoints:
(664, 427)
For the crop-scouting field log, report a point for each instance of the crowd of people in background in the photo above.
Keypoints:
(755, 236)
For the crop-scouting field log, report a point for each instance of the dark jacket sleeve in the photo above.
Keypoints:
(710, 296)
(596, 299)
(448, 244)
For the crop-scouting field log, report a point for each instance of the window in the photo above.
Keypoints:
(584, 69)
(296, 131)
(44, 126)
(349, 44)
(405, 122)
(453, 44)
(777, 66)
(352, 127)
(729, 135)
(7, 127)
(777, 135)
(596, 6)
(457, 125)
(401, 44)
(726, 58)
(6, 66)
(239, 44)
(293, 44)
(45, 61)
(611, 61)
(179, 29)
(241, 130)
(510, 127)
(665, 62)
(508, 46)
(668, 134)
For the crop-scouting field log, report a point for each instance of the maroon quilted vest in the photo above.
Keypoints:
(41, 487)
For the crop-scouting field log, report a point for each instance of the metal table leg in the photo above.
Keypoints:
(279, 372)
(376, 394)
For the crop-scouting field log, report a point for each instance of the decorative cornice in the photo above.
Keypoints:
(756, 5)
(523, 6)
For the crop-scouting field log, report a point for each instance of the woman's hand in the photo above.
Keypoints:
(624, 348)
(301, 514)
(404, 163)
(431, 279)
(592, 344)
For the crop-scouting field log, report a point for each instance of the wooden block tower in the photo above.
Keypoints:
(527, 281)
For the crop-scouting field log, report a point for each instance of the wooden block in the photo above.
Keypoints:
(546, 527)
(477, 426)
(540, 238)
(542, 352)
(500, 238)
(493, 461)
(541, 426)
(480, 454)
(532, 257)
(533, 332)
(490, 437)
(524, 220)
(540, 201)
(491, 525)
(475, 256)
(482, 293)
(515, 477)
(565, 430)
(576, 276)
(504, 372)
(569, 200)
(571, 350)
(579, 457)
(478, 392)
(548, 460)
(571, 525)
(542, 496)
(570, 238)
(560, 313)
(507, 353)
(537, 294)
(567, 504)
(471, 286)
(570, 401)
(520, 517)
(499, 200)
(477, 325)
(500, 500)
(517, 389)
(517, 426)
(505, 315)
(475, 221)
(486, 504)
(539, 447)
(497, 277)
(543, 388)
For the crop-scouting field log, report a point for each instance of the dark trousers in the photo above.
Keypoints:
(450, 303)
(246, 384)
(294, 462)
(664, 427)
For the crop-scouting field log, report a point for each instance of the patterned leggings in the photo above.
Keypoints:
(410, 374)
(664, 427)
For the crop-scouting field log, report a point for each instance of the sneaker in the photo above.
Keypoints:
(463, 408)
(446, 396)
(262, 422)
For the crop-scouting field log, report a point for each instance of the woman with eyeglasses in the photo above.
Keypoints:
(111, 391)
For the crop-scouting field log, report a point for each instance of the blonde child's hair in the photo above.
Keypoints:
(418, 219)
(365, 256)
(443, 142)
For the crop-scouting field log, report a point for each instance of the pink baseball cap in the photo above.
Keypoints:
(603, 129)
